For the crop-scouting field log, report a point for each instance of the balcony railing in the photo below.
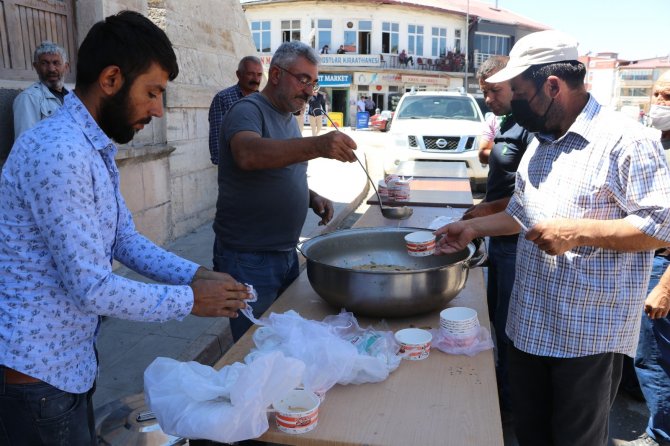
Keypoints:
(451, 63)
(479, 58)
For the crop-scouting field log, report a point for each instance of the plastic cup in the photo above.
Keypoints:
(459, 325)
(382, 188)
(297, 412)
(400, 190)
(391, 178)
(414, 343)
(420, 244)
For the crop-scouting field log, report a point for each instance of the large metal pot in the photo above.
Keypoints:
(430, 283)
(128, 422)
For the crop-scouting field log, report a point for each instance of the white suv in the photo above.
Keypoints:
(437, 126)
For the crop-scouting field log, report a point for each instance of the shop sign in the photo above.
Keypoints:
(334, 80)
(361, 78)
(425, 80)
(356, 60)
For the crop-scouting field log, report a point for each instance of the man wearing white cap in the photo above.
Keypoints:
(594, 191)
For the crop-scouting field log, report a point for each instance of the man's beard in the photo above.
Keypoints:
(54, 84)
(114, 115)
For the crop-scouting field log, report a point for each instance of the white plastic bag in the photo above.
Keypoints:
(451, 345)
(195, 401)
(326, 357)
(377, 349)
(440, 221)
(335, 351)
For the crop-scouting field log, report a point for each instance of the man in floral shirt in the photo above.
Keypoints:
(64, 221)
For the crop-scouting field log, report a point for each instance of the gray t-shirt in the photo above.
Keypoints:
(259, 210)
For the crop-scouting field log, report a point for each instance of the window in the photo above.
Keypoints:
(390, 37)
(290, 30)
(639, 92)
(364, 30)
(350, 45)
(492, 44)
(357, 38)
(457, 40)
(636, 75)
(439, 42)
(26, 23)
(260, 31)
(324, 34)
(415, 39)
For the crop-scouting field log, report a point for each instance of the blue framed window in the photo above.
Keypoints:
(260, 31)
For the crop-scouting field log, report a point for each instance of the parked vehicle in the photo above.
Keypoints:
(437, 126)
(381, 120)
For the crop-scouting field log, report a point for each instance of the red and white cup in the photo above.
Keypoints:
(400, 190)
(383, 189)
(391, 178)
(420, 243)
(414, 343)
(297, 412)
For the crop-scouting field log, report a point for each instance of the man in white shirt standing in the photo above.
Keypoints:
(360, 105)
(44, 97)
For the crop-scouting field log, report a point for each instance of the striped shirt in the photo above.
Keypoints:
(588, 300)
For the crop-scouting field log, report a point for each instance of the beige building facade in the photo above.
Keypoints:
(167, 178)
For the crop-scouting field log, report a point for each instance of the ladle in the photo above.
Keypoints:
(394, 213)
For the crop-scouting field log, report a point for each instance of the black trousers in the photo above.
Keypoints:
(563, 401)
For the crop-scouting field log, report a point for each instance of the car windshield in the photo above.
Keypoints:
(438, 107)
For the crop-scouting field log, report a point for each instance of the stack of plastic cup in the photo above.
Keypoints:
(459, 325)
(401, 190)
(383, 190)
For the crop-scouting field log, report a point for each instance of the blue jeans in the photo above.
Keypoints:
(502, 261)
(270, 273)
(652, 364)
(40, 414)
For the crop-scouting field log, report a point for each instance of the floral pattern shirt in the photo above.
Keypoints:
(62, 222)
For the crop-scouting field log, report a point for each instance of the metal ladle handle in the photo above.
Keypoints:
(321, 111)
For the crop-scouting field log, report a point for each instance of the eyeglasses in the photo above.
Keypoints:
(314, 86)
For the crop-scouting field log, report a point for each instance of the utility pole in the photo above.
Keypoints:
(467, 38)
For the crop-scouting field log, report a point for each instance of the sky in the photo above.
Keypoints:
(638, 29)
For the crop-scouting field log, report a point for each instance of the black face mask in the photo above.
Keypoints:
(526, 117)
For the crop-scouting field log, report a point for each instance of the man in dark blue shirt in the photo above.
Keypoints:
(249, 74)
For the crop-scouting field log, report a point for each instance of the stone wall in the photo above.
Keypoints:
(209, 41)
(166, 177)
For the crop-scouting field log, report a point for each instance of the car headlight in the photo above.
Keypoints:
(400, 141)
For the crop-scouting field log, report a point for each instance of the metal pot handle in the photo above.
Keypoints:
(299, 246)
(480, 257)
